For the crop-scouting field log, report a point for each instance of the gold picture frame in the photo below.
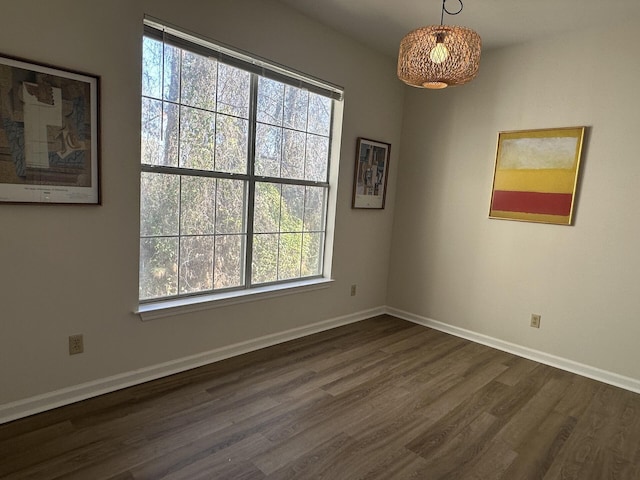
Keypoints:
(536, 174)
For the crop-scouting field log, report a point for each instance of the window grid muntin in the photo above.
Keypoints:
(303, 231)
(308, 133)
(250, 179)
(180, 104)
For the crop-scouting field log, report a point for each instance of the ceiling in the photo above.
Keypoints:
(381, 24)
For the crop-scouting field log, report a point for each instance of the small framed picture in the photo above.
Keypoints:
(48, 135)
(371, 172)
(536, 174)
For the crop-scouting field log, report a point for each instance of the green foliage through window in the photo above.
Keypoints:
(234, 180)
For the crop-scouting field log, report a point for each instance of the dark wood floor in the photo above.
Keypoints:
(380, 399)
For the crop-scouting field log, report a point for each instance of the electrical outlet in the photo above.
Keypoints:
(535, 320)
(353, 290)
(76, 344)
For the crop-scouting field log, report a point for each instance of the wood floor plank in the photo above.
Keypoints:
(518, 368)
(398, 464)
(328, 376)
(495, 460)
(302, 458)
(537, 453)
(609, 464)
(39, 436)
(453, 397)
(437, 357)
(519, 430)
(381, 439)
(456, 421)
(215, 456)
(381, 399)
(448, 454)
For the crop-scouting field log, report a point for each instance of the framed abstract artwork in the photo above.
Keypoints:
(371, 171)
(48, 135)
(536, 173)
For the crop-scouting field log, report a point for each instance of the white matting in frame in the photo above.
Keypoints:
(48, 134)
(371, 172)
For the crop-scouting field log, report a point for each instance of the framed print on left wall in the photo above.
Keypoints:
(48, 134)
(371, 171)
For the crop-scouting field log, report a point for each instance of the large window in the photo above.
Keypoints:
(235, 170)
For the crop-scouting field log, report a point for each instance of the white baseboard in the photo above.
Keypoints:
(40, 403)
(604, 376)
(66, 396)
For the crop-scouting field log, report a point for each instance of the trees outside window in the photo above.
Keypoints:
(234, 173)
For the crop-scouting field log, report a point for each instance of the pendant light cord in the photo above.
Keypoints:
(444, 9)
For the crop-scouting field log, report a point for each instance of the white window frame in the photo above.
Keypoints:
(184, 303)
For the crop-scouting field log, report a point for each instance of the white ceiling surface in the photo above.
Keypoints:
(381, 24)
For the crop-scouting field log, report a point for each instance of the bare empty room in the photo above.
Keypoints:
(238, 243)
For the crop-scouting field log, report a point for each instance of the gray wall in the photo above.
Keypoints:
(70, 269)
(74, 269)
(452, 264)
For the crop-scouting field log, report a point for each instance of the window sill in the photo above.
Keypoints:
(168, 308)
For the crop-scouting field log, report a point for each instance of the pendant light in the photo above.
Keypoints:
(439, 56)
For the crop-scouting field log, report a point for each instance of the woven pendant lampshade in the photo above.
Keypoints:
(439, 56)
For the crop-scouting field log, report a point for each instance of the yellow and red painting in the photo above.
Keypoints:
(536, 174)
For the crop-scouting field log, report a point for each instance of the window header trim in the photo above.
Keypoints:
(161, 31)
